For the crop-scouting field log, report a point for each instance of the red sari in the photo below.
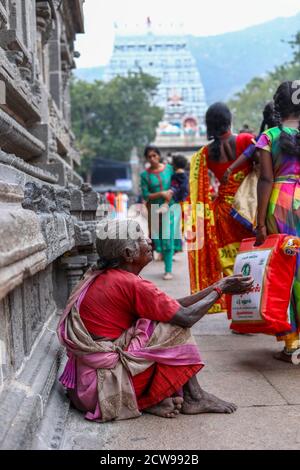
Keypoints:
(221, 235)
(114, 301)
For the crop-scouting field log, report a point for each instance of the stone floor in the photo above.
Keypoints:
(239, 368)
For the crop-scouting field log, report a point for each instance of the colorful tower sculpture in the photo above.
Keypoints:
(167, 57)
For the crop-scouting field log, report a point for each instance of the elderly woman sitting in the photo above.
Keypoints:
(129, 344)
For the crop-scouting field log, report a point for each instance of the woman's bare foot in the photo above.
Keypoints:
(168, 408)
(206, 403)
(198, 401)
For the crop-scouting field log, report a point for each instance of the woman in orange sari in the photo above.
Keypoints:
(218, 234)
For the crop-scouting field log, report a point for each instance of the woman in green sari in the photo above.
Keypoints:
(164, 228)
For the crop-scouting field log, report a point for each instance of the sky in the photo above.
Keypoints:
(197, 17)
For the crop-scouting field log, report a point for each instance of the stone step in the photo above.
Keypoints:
(24, 400)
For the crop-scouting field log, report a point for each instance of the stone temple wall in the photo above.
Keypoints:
(47, 214)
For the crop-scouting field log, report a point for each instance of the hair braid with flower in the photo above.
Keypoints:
(286, 107)
(218, 122)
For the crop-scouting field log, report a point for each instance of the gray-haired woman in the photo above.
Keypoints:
(129, 345)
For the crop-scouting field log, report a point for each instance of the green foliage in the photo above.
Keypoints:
(296, 47)
(109, 119)
(229, 61)
(247, 105)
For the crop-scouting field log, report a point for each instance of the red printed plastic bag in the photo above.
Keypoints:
(272, 265)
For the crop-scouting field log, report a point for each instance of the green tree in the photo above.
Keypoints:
(295, 43)
(247, 105)
(109, 119)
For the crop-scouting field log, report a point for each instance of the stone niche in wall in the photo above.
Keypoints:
(36, 59)
(23, 257)
(22, 245)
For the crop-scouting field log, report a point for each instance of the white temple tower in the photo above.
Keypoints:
(167, 57)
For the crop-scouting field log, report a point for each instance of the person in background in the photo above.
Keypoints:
(245, 129)
(279, 192)
(179, 189)
(155, 181)
(220, 235)
(268, 122)
(125, 200)
(111, 199)
(244, 208)
(178, 192)
(121, 205)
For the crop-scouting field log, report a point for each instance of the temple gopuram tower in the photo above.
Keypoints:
(180, 92)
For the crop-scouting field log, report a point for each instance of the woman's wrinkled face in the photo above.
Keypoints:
(153, 158)
(145, 255)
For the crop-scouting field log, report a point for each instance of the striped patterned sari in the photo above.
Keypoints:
(219, 234)
(284, 206)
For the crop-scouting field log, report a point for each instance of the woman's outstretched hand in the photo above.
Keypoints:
(237, 284)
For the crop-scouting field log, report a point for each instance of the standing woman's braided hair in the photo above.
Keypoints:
(287, 105)
(218, 122)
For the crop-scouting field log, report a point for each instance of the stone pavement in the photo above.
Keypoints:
(239, 368)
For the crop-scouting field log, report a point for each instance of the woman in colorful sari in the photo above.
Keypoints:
(218, 233)
(245, 202)
(279, 192)
(164, 228)
(250, 153)
(129, 345)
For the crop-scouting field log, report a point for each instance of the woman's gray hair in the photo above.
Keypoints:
(114, 237)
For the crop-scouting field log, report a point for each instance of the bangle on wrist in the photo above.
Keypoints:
(219, 291)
